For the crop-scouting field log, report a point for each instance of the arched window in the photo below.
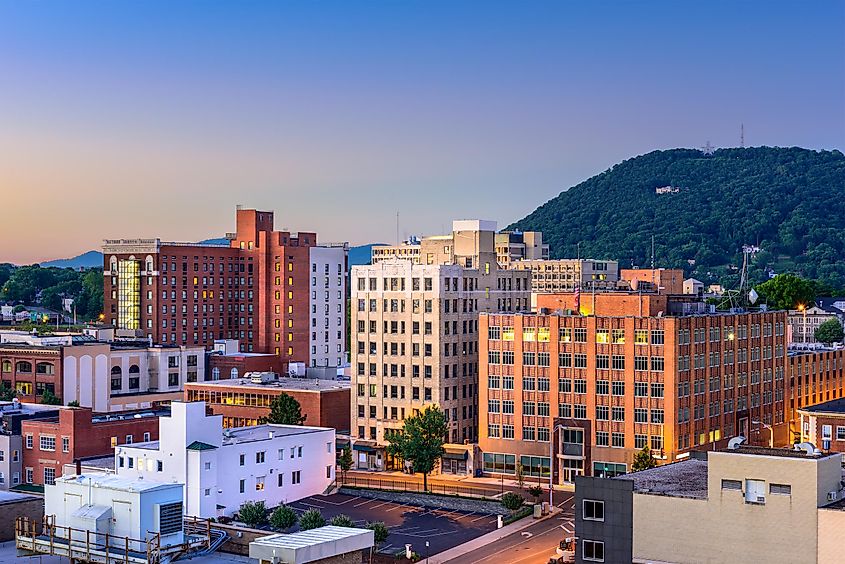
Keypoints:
(234, 373)
(23, 366)
(134, 369)
(45, 368)
(149, 263)
(116, 371)
(215, 373)
(7, 366)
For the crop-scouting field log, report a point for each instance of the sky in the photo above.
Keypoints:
(155, 119)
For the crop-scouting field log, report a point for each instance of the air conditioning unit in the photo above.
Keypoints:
(761, 499)
(831, 496)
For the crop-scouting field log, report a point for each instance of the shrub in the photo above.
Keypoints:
(342, 521)
(535, 492)
(253, 513)
(311, 519)
(283, 517)
(512, 501)
(380, 531)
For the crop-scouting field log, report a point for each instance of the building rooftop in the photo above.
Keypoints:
(836, 407)
(114, 482)
(237, 435)
(687, 478)
(301, 384)
(310, 546)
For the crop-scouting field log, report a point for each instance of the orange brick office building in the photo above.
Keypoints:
(630, 371)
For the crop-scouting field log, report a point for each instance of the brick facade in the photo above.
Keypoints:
(241, 403)
(49, 444)
(30, 370)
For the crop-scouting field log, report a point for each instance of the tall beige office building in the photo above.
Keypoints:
(415, 330)
(564, 275)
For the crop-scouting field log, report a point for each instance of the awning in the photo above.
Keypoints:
(455, 453)
(363, 448)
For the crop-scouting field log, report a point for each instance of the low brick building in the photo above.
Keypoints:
(823, 425)
(236, 364)
(49, 444)
(242, 402)
(31, 370)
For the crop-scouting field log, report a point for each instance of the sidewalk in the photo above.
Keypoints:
(491, 537)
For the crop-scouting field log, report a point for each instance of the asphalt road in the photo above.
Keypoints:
(408, 524)
(532, 545)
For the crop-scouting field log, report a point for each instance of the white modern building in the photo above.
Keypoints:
(222, 469)
(328, 305)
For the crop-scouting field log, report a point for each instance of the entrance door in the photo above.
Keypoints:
(570, 468)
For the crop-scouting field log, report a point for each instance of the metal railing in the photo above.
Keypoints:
(416, 486)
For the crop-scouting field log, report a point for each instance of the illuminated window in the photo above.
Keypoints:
(602, 336)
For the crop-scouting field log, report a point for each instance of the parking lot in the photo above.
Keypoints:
(408, 524)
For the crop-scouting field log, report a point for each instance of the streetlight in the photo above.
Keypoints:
(771, 432)
(803, 308)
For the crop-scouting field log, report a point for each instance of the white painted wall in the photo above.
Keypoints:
(327, 306)
(213, 477)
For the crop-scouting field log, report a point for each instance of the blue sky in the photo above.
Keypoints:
(156, 118)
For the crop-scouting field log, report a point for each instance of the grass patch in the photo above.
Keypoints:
(516, 516)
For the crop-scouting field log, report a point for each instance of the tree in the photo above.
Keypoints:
(643, 460)
(420, 441)
(345, 461)
(829, 332)
(342, 521)
(49, 398)
(283, 517)
(73, 403)
(380, 531)
(311, 519)
(253, 513)
(284, 410)
(512, 501)
(520, 474)
(787, 291)
(7, 393)
(535, 492)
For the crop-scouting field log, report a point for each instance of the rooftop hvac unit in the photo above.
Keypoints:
(831, 496)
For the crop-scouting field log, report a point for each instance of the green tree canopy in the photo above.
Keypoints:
(284, 410)
(643, 460)
(420, 441)
(283, 517)
(787, 291)
(253, 513)
(345, 461)
(342, 521)
(380, 531)
(311, 519)
(47, 287)
(829, 332)
(49, 398)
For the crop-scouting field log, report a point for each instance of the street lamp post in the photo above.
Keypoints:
(771, 432)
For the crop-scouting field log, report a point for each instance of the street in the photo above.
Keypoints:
(532, 545)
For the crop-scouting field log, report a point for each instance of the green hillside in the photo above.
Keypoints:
(790, 202)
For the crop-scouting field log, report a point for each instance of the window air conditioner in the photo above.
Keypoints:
(831, 496)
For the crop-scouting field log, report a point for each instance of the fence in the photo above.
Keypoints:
(416, 486)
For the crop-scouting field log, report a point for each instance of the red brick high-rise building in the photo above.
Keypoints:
(255, 289)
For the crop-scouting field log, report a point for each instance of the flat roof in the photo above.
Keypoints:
(115, 482)
(299, 384)
(237, 435)
(312, 545)
(687, 478)
(835, 407)
(13, 497)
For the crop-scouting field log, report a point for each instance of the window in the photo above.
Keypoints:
(593, 510)
(329, 472)
(46, 443)
(259, 457)
(242, 460)
(50, 476)
(242, 486)
(593, 550)
(259, 483)
(780, 489)
(840, 433)
(295, 477)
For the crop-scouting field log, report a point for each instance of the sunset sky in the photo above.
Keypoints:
(149, 119)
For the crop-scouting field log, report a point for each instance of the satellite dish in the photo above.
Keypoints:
(753, 296)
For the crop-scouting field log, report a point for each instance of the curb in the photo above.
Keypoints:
(493, 536)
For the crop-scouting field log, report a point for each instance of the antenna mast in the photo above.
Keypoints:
(742, 135)
(397, 228)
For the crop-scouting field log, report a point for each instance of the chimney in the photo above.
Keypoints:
(78, 467)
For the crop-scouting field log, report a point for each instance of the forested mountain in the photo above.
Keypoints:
(701, 210)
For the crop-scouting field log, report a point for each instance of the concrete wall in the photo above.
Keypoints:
(831, 525)
(725, 528)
